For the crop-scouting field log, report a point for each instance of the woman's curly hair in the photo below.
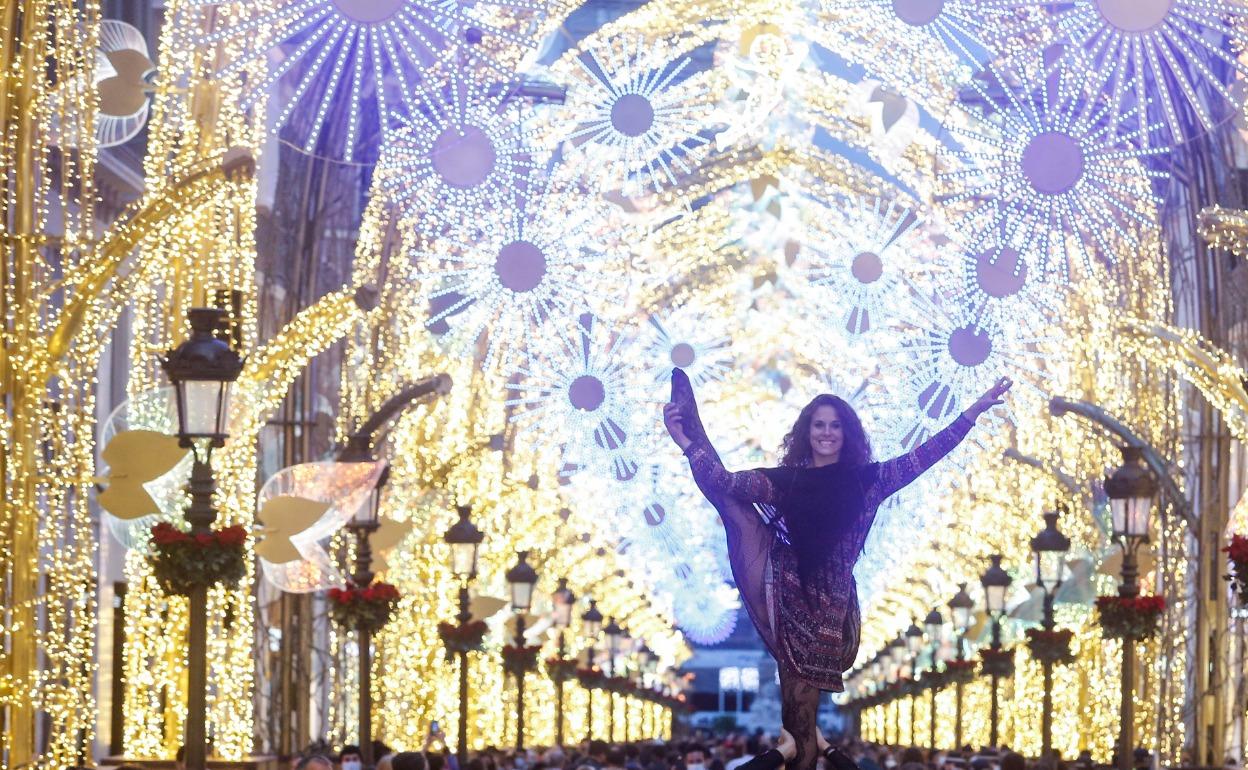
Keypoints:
(855, 448)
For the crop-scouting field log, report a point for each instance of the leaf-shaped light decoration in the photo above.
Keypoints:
(150, 411)
(135, 457)
(387, 536)
(485, 607)
(343, 488)
(1111, 561)
(125, 93)
(283, 517)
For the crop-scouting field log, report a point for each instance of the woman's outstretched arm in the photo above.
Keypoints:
(709, 471)
(900, 471)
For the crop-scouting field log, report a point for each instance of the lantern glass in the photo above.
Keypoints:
(934, 625)
(1050, 569)
(464, 559)
(1130, 516)
(521, 596)
(914, 643)
(994, 598)
(203, 407)
(591, 621)
(891, 675)
(961, 617)
(562, 602)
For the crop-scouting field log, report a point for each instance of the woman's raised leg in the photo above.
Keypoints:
(799, 706)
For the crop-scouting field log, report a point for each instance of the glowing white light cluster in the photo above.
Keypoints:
(1045, 169)
(506, 275)
(633, 120)
(466, 155)
(344, 73)
(578, 390)
(1172, 53)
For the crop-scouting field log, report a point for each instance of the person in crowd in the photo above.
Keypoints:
(350, 759)
(695, 757)
(409, 760)
(179, 758)
(1013, 761)
(314, 762)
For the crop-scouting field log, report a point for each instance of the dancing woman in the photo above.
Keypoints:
(793, 556)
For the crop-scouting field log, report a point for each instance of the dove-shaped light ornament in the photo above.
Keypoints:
(146, 469)
(287, 503)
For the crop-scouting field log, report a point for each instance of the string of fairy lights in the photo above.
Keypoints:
(766, 194)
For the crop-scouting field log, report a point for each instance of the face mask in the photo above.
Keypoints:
(698, 766)
(351, 764)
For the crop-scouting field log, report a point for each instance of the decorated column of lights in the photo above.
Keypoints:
(48, 49)
(207, 259)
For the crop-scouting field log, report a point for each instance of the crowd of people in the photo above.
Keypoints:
(737, 751)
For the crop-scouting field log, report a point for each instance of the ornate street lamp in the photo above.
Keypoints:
(464, 539)
(615, 636)
(591, 624)
(1131, 490)
(914, 645)
(562, 601)
(934, 624)
(202, 370)
(1050, 548)
(996, 581)
(961, 607)
(366, 521)
(521, 578)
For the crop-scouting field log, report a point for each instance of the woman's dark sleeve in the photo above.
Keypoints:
(768, 760)
(898, 472)
(751, 486)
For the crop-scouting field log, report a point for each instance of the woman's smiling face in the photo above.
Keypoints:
(826, 436)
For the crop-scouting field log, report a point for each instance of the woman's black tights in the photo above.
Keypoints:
(799, 706)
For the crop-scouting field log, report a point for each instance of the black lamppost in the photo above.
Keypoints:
(591, 624)
(363, 524)
(562, 601)
(202, 369)
(1131, 490)
(961, 607)
(615, 636)
(896, 652)
(1050, 547)
(520, 578)
(996, 581)
(914, 645)
(464, 539)
(933, 623)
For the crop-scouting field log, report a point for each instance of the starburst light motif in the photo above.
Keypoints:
(467, 154)
(691, 338)
(1047, 170)
(579, 391)
(632, 118)
(955, 24)
(945, 361)
(1174, 53)
(345, 72)
(859, 268)
(514, 271)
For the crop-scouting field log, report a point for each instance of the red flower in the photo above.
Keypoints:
(1238, 549)
(205, 540)
(165, 533)
(232, 536)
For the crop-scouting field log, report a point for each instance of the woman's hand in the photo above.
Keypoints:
(675, 427)
(820, 741)
(787, 745)
(992, 397)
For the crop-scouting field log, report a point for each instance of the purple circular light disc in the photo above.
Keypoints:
(918, 13)
(520, 266)
(1052, 162)
(1000, 272)
(682, 355)
(632, 115)
(464, 157)
(655, 514)
(1134, 15)
(969, 346)
(587, 393)
(867, 267)
(369, 11)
